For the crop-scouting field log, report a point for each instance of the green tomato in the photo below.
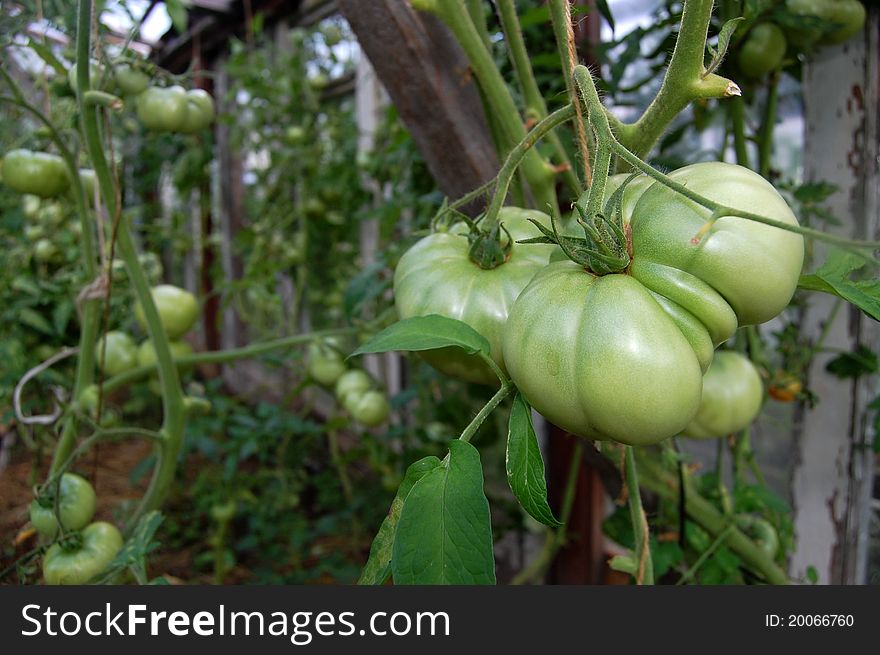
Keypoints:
(295, 135)
(95, 73)
(34, 232)
(199, 111)
(732, 397)
(352, 383)
(146, 353)
(51, 215)
(436, 276)
(314, 207)
(119, 355)
(178, 309)
(761, 532)
(37, 173)
(30, 205)
(89, 181)
(370, 409)
(100, 544)
(162, 109)
(45, 251)
(762, 51)
(130, 81)
(599, 357)
(740, 273)
(832, 21)
(87, 402)
(76, 507)
(325, 363)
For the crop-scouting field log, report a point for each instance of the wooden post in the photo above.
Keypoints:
(427, 76)
(834, 461)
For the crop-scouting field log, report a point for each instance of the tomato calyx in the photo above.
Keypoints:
(71, 541)
(486, 248)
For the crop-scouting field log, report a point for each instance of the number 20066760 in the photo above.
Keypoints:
(808, 620)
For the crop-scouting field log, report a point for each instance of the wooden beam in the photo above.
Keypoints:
(428, 78)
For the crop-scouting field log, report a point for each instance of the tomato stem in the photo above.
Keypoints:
(535, 105)
(487, 409)
(505, 175)
(645, 571)
(501, 105)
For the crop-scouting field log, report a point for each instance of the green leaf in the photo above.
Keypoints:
(723, 42)
(45, 53)
(34, 319)
(834, 278)
(444, 535)
(525, 467)
(378, 566)
(605, 12)
(853, 365)
(177, 13)
(426, 333)
(61, 315)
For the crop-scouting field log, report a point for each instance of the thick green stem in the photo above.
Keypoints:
(645, 566)
(685, 80)
(516, 156)
(172, 393)
(85, 363)
(704, 513)
(536, 108)
(538, 173)
(221, 356)
(722, 210)
(487, 409)
(738, 118)
(765, 137)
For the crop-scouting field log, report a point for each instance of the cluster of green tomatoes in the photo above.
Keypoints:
(628, 356)
(800, 24)
(355, 390)
(86, 548)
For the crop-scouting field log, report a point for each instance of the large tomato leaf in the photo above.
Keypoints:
(525, 466)
(444, 535)
(834, 277)
(378, 566)
(426, 333)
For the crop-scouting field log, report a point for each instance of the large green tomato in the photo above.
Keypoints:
(199, 111)
(100, 543)
(162, 109)
(178, 309)
(436, 276)
(599, 357)
(732, 397)
(370, 409)
(119, 355)
(762, 51)
(740, 273)
(37, 173)
(76, 507)
(622, 356)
